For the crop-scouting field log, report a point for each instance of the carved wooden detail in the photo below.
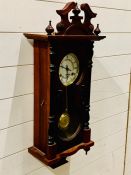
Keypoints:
(64, 23)
(75, 26)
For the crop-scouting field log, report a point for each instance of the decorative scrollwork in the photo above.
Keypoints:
(68, 28)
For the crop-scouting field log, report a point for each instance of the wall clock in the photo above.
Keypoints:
(62, 78)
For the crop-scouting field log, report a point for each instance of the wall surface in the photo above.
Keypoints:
(109, 90)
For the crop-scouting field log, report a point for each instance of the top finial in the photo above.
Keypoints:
(76, 18)
(97, 30)
(49, 29)
(76, 10)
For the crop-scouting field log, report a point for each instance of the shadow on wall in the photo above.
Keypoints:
(16, 105)
(63, 169)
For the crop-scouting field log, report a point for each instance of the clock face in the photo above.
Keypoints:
(69, 69)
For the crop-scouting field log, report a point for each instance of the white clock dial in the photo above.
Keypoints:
(69, 69)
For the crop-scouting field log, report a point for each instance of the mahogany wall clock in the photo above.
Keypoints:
(62, 78)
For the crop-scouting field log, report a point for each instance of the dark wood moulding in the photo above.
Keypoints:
(47, 38)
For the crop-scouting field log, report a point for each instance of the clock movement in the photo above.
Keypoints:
(62, 79)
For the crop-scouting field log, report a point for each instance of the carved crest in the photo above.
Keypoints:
(76, 26)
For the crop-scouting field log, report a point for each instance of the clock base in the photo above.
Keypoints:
(61, 157)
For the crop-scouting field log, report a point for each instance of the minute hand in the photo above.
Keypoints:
(67, 70)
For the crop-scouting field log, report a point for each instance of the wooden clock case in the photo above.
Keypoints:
(77, 37)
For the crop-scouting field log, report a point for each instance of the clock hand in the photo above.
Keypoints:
(65, 68)
(67, 75)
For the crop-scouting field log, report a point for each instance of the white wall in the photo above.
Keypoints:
(109, 92)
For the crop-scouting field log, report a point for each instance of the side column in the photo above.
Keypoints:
(51, 130)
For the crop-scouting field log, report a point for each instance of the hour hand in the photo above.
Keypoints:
(66, 68)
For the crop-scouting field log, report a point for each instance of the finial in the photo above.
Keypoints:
(49, 29)
(76, 18)
(76, 10)
(97, 30)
